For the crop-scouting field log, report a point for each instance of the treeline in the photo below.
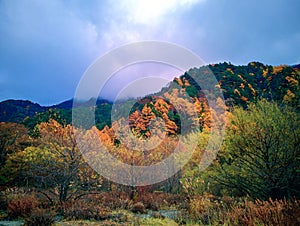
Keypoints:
(260, 157)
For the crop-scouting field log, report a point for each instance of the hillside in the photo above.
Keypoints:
(244, 84)
(240, 85)
(18, 110)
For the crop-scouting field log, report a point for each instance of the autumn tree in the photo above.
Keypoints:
(55, 166)
(13, 138)
(140, 121)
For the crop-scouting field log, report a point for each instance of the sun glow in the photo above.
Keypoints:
(151, 12)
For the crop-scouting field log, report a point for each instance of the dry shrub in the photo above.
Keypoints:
(227, 201)
(271, 212)
(115, 200)
(109, 200)
(180, 201)
(40, 217)
(112, 200)
(156, 201)
(216, 211)
(238, 216)
(151, 201)
(82, 210)
(200, 208)
(138, 207)
(121, 200)
(95, 206)
(21, 205)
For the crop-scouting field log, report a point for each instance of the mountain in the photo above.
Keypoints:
(29, 113)
(64, 105)
(18, 110)
(240, 85)
(68, 104)
(296, 66)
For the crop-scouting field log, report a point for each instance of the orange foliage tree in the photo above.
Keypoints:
(55, 166)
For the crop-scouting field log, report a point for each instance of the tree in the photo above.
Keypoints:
(13, 138)
(260, 155)
(55, 166)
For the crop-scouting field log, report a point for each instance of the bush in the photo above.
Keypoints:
(40, 217)
(115, 200)
(21, 205)
(260, 155)
(156, 201)
(150, 201)
(200, 209)
(278, 212)
(82, 210)
(111, 200)
(138, 207)
(177, 200)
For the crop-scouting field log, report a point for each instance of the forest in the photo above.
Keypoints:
(254, 179)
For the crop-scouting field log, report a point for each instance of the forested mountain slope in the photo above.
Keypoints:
(240, 85)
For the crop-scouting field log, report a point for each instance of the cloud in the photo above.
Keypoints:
(152, 12)
(47, 24)
(131, 80)
(133, 20)
(45, 46)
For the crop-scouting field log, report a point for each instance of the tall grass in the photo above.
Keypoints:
(227, 211)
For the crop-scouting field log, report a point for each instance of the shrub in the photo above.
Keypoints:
(111, 200)
(150, 200)
(228, 211)
(21, 205)
(82, 210)
(138, 207)
(278, 212)
(40, 217)
(177, 200)
(115, 200)
(200, 209)
(156, 201)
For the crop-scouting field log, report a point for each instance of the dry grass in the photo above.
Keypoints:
(117, 208)
(206, 211)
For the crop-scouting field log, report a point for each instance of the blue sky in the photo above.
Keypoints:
(46, 46)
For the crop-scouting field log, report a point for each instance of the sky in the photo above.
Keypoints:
(46, 46)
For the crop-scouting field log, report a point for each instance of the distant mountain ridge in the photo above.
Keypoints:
(296, 66)
(68, 104)
(18, 110)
